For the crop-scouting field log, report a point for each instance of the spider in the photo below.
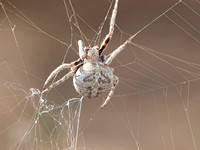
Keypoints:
(91, 73)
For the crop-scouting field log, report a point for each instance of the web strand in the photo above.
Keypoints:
(157, 97)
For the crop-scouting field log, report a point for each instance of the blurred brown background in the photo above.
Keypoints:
(150, 120)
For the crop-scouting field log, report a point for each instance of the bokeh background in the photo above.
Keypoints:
(136, 117)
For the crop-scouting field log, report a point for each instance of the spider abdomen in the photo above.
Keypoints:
(93, 79)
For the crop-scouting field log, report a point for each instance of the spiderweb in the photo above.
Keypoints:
(156, 104)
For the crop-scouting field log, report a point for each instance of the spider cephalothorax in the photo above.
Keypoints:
(91, 73)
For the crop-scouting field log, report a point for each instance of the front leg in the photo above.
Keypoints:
(55, 72)
(111, 29)
(72, 65)
(116, 52)
(70, 74)
(115, 83)
(82, 50)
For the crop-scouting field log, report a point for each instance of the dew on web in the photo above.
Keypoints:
(155, 106)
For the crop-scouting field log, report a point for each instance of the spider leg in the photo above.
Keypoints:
(55, 72)
(111, 92)
(111, 29)
(60, 68)
(70, 74)
(116, 52)
(73, 66)
(82, 50)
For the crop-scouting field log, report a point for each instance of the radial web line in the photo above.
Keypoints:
(15, 39)
(154, 106)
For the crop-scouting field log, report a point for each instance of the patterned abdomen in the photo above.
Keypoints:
(93, 79)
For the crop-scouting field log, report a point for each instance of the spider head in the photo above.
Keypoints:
(93, 54)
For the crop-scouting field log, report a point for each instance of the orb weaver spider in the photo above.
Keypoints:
(91, 73)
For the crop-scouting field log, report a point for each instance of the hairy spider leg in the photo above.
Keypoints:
(111, 29)
(82, 50)
(70, 74)
(56, 71)
(116, 52)
(111, 92)
(73, 67)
